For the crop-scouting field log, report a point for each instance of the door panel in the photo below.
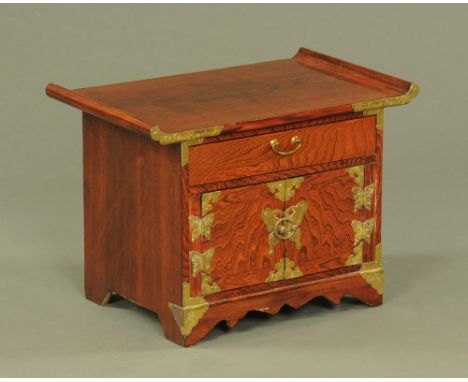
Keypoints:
(333, 230)
(237, 251)
(281, 230)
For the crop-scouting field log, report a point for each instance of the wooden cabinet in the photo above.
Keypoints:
(211, 194)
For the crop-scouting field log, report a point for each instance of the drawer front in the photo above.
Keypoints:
(296, 148)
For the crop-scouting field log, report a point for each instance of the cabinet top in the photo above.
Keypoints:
(196, 105)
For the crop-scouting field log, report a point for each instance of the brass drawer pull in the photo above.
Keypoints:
(274, 143)
(285, 228)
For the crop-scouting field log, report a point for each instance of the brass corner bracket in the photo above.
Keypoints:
(379, 115)
(189, 314)
(374, 275)
(184, 150)
(208, 198)
(169, 138)
(186, 138)
(403, 99)
(357, 174)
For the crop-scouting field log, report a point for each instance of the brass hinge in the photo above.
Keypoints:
(363, 197)
(201, 226)
(201, 262)
(362, 230)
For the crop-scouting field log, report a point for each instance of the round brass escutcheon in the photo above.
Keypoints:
(284, 228)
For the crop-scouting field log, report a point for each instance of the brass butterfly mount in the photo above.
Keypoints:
(362, 198)
(284, 225)
(372, 272)
(201, 263)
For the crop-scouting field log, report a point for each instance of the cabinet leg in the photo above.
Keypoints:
(96, 289)
(369, 297)
(99, 295)
(170, 328)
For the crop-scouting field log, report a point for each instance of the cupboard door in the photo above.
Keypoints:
(335, 230)
(235, 246)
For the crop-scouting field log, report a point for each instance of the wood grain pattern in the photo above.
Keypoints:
(309, 85)
(117, 246)
(326, 233)
(243, 93)
(254, 155)
(274, 125)
(133, 227)
(284, 174)
(139, 198)
(240, 238)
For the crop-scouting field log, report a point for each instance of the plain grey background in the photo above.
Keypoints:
(48, 328)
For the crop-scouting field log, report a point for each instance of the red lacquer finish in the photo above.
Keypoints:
(308, 86)
(187, 230)
(254, 155)
(327, 236)
(129, 245)
(240, 238)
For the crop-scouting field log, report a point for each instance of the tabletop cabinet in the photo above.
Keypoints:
(211, 194)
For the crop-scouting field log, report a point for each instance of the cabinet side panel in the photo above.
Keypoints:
(133, 211)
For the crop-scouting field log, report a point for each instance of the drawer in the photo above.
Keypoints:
(238, 158)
